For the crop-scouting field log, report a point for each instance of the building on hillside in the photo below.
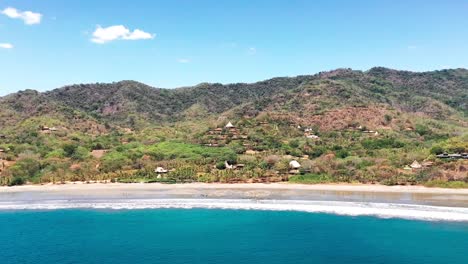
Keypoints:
(294, 164)
(312, 137)
(453, 156)
(160, 170)
(416, 165)
(443, 156)
(228, 166)
(229, 125)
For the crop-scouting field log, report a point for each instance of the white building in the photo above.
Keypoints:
(294, 164)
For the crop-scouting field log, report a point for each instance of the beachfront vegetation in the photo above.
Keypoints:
(340, 126)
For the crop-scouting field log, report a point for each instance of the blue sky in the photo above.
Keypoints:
(181, 43)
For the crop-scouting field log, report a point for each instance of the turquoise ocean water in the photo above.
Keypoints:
(224, 236)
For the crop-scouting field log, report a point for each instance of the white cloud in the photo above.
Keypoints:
(139, 34)
(103, 35)
(252, 51)
(28, 17)
(183, 60)
(6, 46)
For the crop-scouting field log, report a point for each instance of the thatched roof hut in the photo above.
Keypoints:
(229, 125)
(416, 165)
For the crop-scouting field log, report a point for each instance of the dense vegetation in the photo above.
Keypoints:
(341, 126)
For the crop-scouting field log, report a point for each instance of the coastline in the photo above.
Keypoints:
(411, 202)
(221, 186)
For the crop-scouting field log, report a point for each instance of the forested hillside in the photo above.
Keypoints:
(341, 125)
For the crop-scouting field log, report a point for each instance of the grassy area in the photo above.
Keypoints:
(180, 150)
(447, 184)
(311, 179)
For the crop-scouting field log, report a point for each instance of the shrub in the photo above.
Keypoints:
(271, 160)
(177, 150)
(342, 153)
(80, 153)
(69, 149)
(114, 161)
(221, 165)
(382, 143)
(182, 174)
(437, 150)
(26, 167)
(282, 166)
(294, 143)
(388, 118)
(16, 181)
(316, 152)
(58, 153)
(422, 130)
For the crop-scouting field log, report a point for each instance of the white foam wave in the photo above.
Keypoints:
(383, 210)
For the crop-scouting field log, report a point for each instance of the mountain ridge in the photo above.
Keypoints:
(371, 70)
(437, 94)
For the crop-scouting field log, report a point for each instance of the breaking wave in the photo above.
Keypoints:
(382, 210)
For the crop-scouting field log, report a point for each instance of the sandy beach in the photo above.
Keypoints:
(77, 186)
(412, 202)
(277, 191)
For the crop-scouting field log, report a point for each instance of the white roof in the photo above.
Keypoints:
(160, 170)
(229, 125)
(294, 164)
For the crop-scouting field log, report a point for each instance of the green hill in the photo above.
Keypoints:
(341, 125)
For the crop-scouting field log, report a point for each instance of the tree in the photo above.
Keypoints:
(437, 150)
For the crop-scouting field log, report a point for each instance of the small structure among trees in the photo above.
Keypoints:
(229, 125)
(453, 156)
(294, 166)
(160, 170)
(416, 165)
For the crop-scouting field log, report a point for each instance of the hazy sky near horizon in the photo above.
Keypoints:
(45, 44)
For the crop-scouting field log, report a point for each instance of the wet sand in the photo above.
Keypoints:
(278, 191)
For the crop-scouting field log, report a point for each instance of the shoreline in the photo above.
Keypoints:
(408, 202)
(375, 188)
(354, 209)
